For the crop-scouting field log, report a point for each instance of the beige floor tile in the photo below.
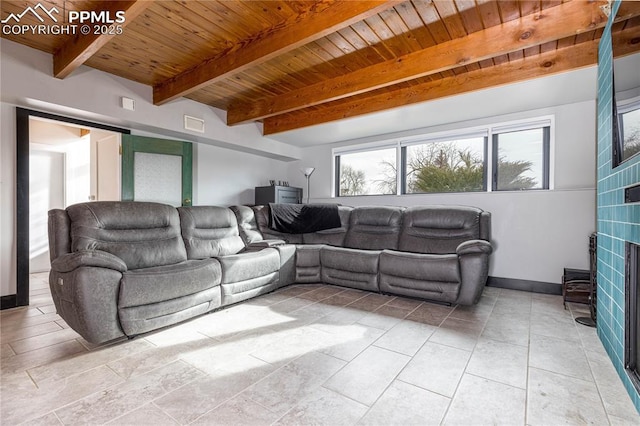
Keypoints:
(191, 401)
(47, 309)
(346, 316)
(85, 361)
(504, 327)
(286, 387)
(618, 421)
(6, 351)
(405, 303)
(370, 302)
(405, 404)
(47, 420)
(436, 368)
(41, 356)
(143, 362)
(113, 401)
(614, 395)
(558, 399)
(500, 362)
(295, 343)
(324, 407)
(32, 403)
(554, 326)
(13, 323)
(385, 317)
(17, 332)
(457, 333)
(406, 337)
(479, 401)
(352, 340)
(479, 312)
(366, 377)
(239, 411)
(430, 313)
(43, 340)
(320, 293)
(560, 356)
(146, 415)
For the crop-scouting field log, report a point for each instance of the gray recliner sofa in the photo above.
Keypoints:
(126, 268)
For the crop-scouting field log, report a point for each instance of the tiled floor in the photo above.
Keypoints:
(318, 354)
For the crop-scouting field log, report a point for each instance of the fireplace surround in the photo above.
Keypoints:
(632, 316)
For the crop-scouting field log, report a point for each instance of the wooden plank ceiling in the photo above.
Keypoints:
(292, 64)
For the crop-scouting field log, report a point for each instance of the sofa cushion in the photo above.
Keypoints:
(428, 276)
(334, 236)
(350, 267)
(142, 234)
(308, 263)
(247, 225)
(438, 229)
(374, 228)
(162, 283)
(252, 264)
(262, 219)
(209, 231)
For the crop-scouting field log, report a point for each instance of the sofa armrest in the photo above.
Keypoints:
(97, 258)
(473, 258)
(262, 244)
(474, 247)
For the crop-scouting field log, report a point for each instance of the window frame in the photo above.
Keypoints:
(490, 133)
(338, 152)
(620, 109)
(448, 137)
(546, 151)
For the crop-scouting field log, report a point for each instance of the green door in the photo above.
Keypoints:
(157, 170)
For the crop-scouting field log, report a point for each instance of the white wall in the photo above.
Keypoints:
(536, 233)
(224, 177)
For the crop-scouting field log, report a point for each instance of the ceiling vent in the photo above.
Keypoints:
(194, 124)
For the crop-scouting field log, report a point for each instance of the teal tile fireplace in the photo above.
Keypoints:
(618, 222)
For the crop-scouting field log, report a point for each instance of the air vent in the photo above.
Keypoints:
(632, 194)
(194, 124)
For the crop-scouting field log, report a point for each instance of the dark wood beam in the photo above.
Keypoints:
(553, 62)
(81, 47)
(550, 24)
(319, 21)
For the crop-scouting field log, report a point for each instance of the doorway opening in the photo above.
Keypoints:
(46, 188)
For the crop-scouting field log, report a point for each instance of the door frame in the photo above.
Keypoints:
(23, 115)
(132, 144)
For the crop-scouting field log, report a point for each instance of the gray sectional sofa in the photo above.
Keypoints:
(126, 268)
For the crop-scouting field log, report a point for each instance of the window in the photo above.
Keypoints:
(517, 159)
(521, 159)
(629, 128)
(370, 172)
(452, 165)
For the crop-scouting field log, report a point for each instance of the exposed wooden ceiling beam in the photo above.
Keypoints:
(81, 47)
(553, 62)
(550, 24)
(319, 21)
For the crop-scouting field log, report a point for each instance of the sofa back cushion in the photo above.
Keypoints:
(141, 234)
(209, 231)
(374, 228)
(262, 219)
(247, 225)
(439, 229)
(333, 236)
